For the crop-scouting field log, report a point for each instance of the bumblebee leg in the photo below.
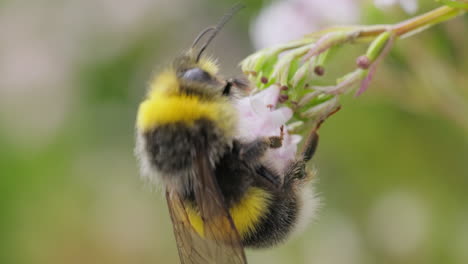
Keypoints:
(295, 172)
(269, 176)
(308, 150)
(310, 146)
(311, 143)
(256, 149)
(297, 169)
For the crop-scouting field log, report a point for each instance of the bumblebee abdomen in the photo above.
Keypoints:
(263, 217)
(276, 223)
(263, 214)
(246, 213)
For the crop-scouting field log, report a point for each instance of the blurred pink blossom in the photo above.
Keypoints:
(410, 6)
(258, 117)
(287, 20)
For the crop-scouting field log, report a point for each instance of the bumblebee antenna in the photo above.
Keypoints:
(201, 34)
(216, 29)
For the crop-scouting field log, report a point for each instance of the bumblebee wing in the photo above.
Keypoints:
(189, 244)
(218, 225)
(221, 242)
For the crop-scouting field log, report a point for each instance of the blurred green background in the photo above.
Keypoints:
(393, 163)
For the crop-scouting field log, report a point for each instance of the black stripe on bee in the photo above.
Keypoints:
(171, 146)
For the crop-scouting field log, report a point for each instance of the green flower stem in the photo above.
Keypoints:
(414, 25)
(436, 16)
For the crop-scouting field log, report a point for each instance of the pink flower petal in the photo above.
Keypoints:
(281, 115)
(258, 118)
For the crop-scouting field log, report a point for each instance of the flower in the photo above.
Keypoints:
(410, 6)
(258, 117)
(287, 20)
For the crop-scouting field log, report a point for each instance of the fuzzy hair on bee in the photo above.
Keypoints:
(222, 194)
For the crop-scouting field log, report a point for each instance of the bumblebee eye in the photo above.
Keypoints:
(198, 75)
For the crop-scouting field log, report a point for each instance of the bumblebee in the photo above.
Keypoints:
(221, 193)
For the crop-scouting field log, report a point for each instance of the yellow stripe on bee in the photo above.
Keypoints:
(166, 105)
(162, 109)
(245, 215)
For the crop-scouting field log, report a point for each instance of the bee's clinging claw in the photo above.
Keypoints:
(277, 141)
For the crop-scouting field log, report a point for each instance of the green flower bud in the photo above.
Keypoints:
(377, 46)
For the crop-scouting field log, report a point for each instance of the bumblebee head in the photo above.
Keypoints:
(196, 71)
(198, 76)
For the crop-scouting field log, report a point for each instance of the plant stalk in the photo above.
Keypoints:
(416, 24)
